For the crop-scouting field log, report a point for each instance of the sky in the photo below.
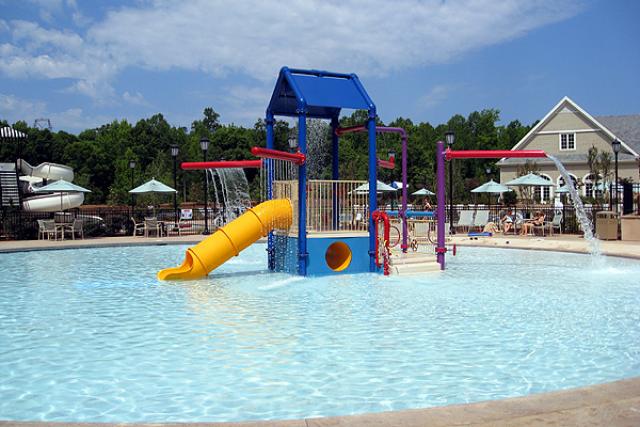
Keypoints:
(84, 63)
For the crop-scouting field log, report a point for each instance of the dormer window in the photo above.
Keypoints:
(567, 141)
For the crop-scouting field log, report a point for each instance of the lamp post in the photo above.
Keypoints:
(615, 145)
(132, 166)
(204, 145)
(174, 153)
(488, 172)
(450, 138)
(293, 141)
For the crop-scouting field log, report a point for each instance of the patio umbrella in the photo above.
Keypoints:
(423, 192)
(529, 180)
(9, 132)
(61, 186)
(152, 186)
(381, 188)
(562, 190)
(491, 187)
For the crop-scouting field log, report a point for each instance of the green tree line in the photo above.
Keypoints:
(100, 157)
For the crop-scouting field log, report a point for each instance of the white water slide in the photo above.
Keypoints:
(48, 202)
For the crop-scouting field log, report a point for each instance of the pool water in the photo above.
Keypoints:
(91, 335)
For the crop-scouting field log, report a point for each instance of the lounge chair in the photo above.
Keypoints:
(550, 226)
(77, 228)
(481, 219)
(465, 220)
(47, 228)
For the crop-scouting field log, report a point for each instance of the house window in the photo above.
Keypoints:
(590, 189)
(542, 194)
(567, 141)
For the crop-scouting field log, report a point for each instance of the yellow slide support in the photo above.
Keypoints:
(231, 239)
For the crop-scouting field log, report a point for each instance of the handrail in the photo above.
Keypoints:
(378, 216)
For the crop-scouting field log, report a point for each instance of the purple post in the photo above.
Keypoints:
(440, 190)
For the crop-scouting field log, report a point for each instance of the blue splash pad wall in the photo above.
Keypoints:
(286, 254)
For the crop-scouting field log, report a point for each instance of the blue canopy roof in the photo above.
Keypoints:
(321, 94)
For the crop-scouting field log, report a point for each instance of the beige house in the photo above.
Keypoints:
(567, 132)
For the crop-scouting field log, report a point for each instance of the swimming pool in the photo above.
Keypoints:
(91, 335)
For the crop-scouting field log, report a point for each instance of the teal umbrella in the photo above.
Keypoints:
(380, 186)
(152, 186)
(529, 180)
(491, 187)
(423, 192)
(61, 186)
(562, 190)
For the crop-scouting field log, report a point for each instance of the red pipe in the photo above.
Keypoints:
(222, 164)
(297, 158)
(492, 154)
(378, 216)
(387, 164)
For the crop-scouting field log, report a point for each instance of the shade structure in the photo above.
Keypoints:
(152, 186)
(9, 132)
(61, 186)
(381, 188)
(529, 180)
(491, 187)
(423, 192)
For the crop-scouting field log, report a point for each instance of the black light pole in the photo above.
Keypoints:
(488, 171)
(132, 166)
(615, 145)
(450, 137)
(174, 153)
(204, 145)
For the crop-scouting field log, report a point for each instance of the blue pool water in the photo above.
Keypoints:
(90, 335)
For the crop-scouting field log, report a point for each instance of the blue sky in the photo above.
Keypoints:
(84, 63)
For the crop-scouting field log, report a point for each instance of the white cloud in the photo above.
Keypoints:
(255, 38)
(435, 96)
(135, 98)
(13, 108)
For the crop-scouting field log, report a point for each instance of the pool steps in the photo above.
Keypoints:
(413, 263)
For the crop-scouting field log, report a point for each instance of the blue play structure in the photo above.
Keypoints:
(322, 95)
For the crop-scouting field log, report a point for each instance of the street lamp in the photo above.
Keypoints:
(132, 166)
(204, 145)
(450, 138)
(174, 153)
(293, 141)
(488, 172)
(615, 145)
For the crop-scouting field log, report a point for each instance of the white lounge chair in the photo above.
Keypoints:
(465, 220)
(481, 219)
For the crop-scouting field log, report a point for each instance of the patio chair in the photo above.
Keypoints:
(47, 228)
(556, 223)
(481, 219)
(138, 227)
(465, 220)
(77, 228)
(152, 225)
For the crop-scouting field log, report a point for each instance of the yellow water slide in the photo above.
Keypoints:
(231, 239)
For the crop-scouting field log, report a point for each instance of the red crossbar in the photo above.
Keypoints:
(268, 153)
(492, 154)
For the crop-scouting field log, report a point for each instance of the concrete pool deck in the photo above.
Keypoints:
(611, 404)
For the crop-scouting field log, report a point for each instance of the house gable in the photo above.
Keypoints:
(567, 117)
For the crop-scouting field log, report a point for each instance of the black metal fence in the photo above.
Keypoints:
(111, 221)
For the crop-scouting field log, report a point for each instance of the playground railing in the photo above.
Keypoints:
(336, 206)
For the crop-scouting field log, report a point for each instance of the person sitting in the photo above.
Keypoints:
(491, 227)
(427, 206)
(507, 221)
(527, 226)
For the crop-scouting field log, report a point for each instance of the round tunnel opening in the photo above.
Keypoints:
(338, 256)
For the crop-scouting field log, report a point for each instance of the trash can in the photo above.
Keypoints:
(607, 225)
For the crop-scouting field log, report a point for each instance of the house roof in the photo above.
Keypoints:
(626, 128)
(564, 158)
(616, 127)
(319, 94)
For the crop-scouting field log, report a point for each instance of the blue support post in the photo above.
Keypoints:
(269, 165)
(373, 187)
(302, 195)
(335, 172)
